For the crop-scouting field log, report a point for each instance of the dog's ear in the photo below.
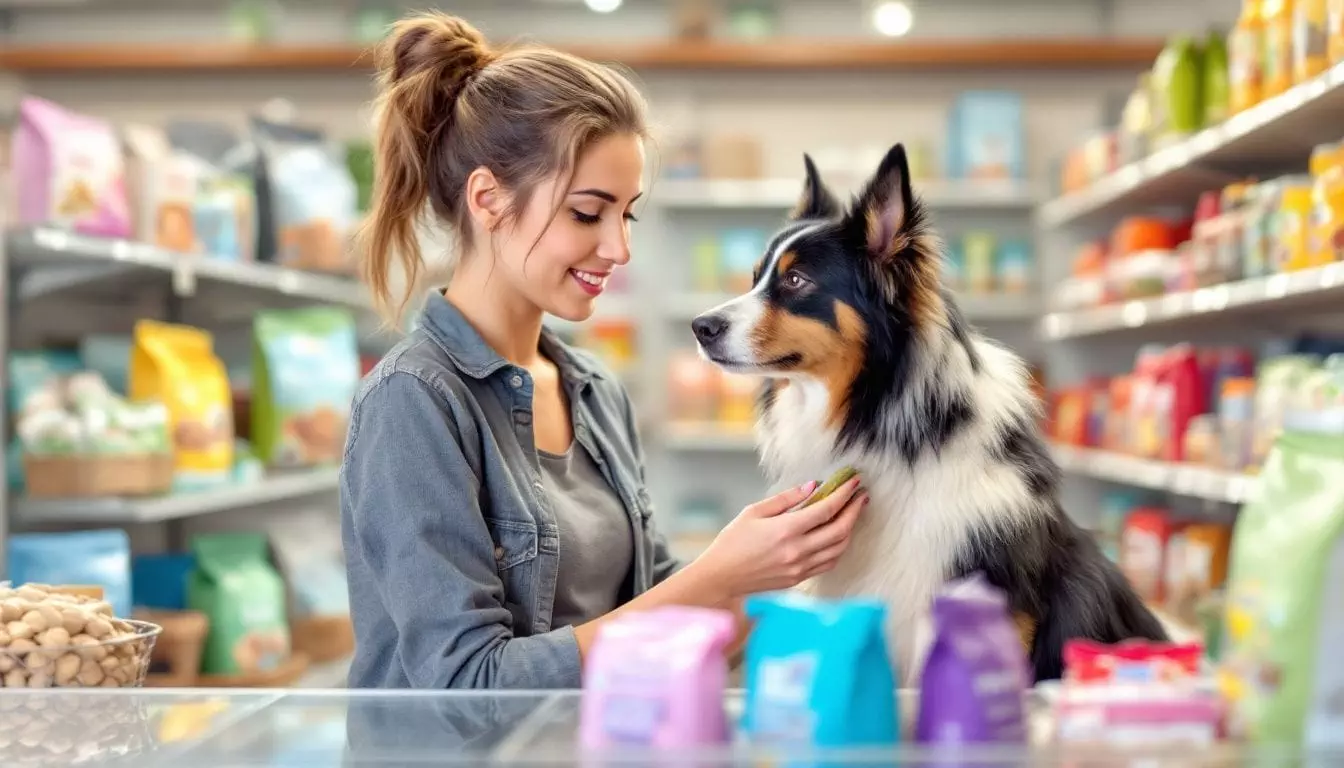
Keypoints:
(816, 202)
(887, 212)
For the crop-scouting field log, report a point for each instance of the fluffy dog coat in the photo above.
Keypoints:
(869, 363)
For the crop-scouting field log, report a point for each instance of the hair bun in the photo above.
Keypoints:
(436, 42)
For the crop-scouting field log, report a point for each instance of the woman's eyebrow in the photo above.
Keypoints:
(602, 194)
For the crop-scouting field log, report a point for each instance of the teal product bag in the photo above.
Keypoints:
(818, 674)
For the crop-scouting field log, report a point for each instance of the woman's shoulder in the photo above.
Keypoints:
(415, 366)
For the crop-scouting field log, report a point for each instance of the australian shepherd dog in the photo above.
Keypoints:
(868, 362)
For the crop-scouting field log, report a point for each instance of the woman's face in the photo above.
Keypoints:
(561, 258)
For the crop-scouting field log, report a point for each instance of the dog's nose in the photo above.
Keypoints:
(707, 328)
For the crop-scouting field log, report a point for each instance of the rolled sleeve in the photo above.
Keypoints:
(415, 523)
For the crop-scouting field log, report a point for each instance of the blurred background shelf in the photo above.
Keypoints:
(707, 438)
(976, 307)
(1315, 288)
(783, 193)
(1181, 479)
(278, 487)
(1280, 131)
(1048, 52)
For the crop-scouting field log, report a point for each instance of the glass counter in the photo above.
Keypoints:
(203, 728)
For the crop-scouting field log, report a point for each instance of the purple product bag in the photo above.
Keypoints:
(976, 671)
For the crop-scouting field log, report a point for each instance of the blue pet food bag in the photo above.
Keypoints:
(101, 558)
(818, 674)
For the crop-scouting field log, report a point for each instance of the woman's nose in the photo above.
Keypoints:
(616, 248)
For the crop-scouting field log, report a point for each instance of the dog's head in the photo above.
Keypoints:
(838, 290)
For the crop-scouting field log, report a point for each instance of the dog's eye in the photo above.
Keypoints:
(795, 281)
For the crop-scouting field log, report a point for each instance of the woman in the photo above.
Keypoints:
(492, 494)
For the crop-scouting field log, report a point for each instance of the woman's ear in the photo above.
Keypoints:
(486, 199)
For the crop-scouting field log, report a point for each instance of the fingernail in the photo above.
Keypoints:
(809, 486)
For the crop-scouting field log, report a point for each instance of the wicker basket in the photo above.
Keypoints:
(176, 661)
(57, 477)
(323, 638)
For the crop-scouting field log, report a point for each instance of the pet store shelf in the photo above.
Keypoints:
(1276, 135)
(782, 194)
(1180, 479)
(1316, 288)
(48, 247)
(773, 55)
(975, 306)
(113, 511)
(707, 438)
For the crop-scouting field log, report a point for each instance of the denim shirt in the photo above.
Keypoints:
(451, 545)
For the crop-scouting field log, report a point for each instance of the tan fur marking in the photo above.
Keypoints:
(873, 219)
(786, 262)
(832, 355)
(1026, 629)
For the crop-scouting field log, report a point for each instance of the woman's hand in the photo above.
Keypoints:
(763, 549)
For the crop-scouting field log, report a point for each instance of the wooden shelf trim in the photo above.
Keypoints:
(1100, 53)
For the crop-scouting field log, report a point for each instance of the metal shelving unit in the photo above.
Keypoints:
(782, 194)
(1276, 136)
(43, 262)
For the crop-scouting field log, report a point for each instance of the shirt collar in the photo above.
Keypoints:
(472, 355)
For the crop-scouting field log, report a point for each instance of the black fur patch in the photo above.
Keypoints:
(1053, 572)
(961, 330)
(1022, 447)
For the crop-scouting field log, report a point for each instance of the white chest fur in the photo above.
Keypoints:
(904, 545)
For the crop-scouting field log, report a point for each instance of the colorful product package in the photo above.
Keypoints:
(975, 673)
(71, 170)
(176, 365)
(305, 371)
(656, 679)
(235, 586)
(1143, 550)
(1284, 609)
(740, 249)
(159, 581)
(99, 558)
(818, 674)
(224, 213)
(986, 136)
(1276, 379)
(309, 198)
(163, 186)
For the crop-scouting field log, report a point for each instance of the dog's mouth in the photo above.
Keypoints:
(784, 362)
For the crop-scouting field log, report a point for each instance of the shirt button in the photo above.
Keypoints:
(523, 419)
(539, 488)
(499, 553)
(516, 381)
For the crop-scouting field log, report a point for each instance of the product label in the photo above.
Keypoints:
(631, 718)
(85, 170)
(782, 711)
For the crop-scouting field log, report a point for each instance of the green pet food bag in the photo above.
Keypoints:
(1283, 620)
(235, 586)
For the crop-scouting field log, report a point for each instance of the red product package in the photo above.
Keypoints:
(1183, 398)
(1132, 661)
(1143, 550)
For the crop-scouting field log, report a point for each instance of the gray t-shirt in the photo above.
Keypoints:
(596, 544)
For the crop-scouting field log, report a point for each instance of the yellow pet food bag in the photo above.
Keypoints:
(177, 366)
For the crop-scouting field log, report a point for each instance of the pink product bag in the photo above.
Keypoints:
(69, 171)
(656, 679)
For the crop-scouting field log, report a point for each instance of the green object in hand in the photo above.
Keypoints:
(836, 480)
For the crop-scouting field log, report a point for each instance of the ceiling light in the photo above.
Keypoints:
(893, 18)
(603, 6)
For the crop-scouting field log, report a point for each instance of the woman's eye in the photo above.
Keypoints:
(585, 218)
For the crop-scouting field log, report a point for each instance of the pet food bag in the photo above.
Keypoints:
(305, 371)
(71, 171)
(177, 366)
(224, 212)
(164, 186)
(656, 678)
(235, 586)
(976, 671)
(308, 199)
(99, 558)
(1284, 610)
(818, 674)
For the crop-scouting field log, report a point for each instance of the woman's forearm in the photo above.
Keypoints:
(689, 586)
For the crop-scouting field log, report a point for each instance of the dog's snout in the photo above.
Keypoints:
(708, 328)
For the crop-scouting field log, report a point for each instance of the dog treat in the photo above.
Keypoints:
(836, 480)
(66, 640)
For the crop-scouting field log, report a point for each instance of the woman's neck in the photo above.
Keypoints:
(508, 321)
